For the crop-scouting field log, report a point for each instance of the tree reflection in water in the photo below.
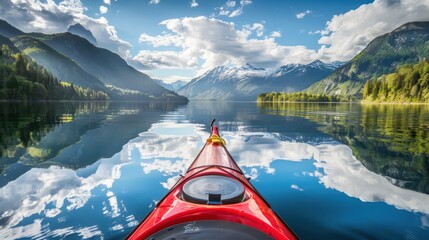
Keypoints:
(389, 139)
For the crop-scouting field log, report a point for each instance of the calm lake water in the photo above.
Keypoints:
(331, 171)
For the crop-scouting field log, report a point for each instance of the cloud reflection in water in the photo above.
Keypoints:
(337, 167)
(49, 192)
(169, 148)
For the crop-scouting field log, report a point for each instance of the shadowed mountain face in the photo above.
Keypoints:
(74, 59)
(79, 30)
(108, 67)
(407, 44)
(59, 65)
(8, 30)
(247, 82)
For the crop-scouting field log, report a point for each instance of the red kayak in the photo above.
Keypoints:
(214, 200)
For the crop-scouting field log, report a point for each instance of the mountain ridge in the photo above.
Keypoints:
(174, 86)
(247, 82)
(76, 60)
(61, 66)
(109, 68)
(407, 44)
(8, 30)
(81, 31)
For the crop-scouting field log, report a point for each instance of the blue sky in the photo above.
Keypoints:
(131, 18)
(174, 39)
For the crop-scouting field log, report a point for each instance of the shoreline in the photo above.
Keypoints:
(354, 102)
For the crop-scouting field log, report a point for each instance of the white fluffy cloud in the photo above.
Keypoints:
(258, 28)
(194, 3)
(164, 59)
(302, 15)
(275, 34)
(294, 186)
(103, 9)
(347, 34)
(230, 4)
(217, 43)
(51, 17)
(197, 41)
(161, 40)
(154, 1)
(229, 8)
(214, 42)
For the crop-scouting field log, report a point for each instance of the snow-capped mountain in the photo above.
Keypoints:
(316, 65)
(322, 66)
(234, 74)
(249, 67)
(174, 86)
(247, 82)
(337, 64)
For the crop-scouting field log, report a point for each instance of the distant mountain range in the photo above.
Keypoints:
(73, 57)
(247, 82)
(76, 60)
(174, 86)
(407, 44)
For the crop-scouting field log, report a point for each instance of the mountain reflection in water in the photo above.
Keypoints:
(109, 167)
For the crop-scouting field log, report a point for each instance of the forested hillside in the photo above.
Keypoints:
(409, 83)
(408, 44)
(75, 60)
(23, 79)
(296, 97)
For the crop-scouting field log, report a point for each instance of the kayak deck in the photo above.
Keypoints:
(210, 229)
(214, 200)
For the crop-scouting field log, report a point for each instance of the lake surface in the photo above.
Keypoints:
(95, 170)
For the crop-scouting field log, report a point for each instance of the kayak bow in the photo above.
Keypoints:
(213, 200)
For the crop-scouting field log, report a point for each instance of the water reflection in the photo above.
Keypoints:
(337, 203)
(37, 135)
(392, 140)
(244, 117)
(337, 168)
(54, 201)
(106, 169)
(49, 193)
